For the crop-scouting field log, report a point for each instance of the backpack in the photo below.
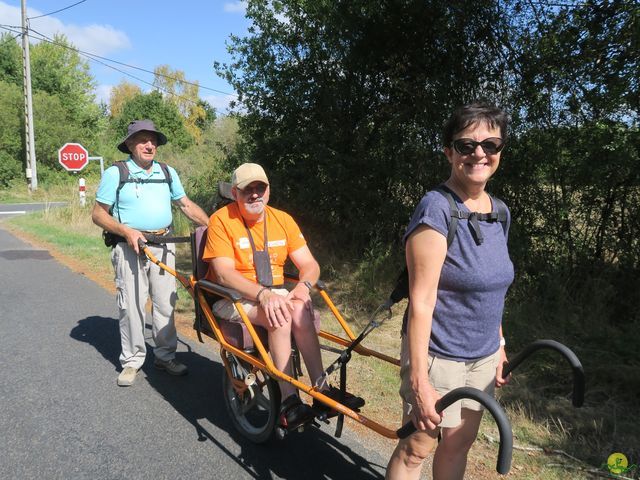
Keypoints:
(401, 290)
(111, 239)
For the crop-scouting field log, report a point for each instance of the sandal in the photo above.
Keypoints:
(293, 412)
(350, 401)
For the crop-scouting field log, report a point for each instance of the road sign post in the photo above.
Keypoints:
(82, 191)
(73, 157)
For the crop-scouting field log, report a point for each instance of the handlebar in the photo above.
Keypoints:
(505, 449)
(576, 366)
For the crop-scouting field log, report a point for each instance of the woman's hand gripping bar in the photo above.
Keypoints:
(505, 449)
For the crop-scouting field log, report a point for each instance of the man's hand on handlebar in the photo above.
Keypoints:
(133, 238)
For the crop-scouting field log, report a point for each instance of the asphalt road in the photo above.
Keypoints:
(62, 416)
(12, 209)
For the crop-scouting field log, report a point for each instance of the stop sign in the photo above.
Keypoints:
(73, 157)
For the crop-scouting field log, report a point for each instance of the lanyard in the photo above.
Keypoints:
(266, 240)
(261, 260)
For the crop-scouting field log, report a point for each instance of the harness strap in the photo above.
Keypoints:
(455, 214)
(499, 214)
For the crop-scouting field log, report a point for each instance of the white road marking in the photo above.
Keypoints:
(15, 212)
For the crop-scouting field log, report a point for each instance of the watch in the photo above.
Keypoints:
(307, 284)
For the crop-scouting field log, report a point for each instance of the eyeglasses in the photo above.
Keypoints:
(258, 189)
(490, 146)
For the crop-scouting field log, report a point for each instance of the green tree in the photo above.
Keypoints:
(575, 182)
(184, 95)
(120, 94)
(64, 106)
(58, 69)
(570, 174)
(10, 60)
(11, 137)
(209, 115)
(11, 114)
(154, 107)
(343, 101)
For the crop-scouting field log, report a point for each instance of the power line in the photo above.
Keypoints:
(89, 56)
(98, 58)
(142, 69)
(61, 10)
(93, 55)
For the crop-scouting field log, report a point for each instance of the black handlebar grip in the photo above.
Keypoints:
(505, 449)
(576, 366)
(225, 292)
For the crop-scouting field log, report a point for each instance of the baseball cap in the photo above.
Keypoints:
(247, 173)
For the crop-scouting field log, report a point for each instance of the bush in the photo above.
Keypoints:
(10, 169)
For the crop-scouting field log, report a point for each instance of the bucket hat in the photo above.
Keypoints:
(141, 126)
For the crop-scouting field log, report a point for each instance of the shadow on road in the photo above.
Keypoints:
(103, 334)
(311, 454)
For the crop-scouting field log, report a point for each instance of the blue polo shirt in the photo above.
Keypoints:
(143, 206)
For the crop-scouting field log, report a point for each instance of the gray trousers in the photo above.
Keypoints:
(136, 280)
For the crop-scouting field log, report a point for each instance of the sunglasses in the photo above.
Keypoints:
(490, 146)
(257, 189)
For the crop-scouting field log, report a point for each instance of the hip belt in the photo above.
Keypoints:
(154, 237)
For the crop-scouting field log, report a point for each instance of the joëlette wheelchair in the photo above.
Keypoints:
(250, 387)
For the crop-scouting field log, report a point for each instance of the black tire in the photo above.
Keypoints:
(255, 413)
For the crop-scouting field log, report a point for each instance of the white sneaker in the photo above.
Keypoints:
(172, 367)
(127, 376)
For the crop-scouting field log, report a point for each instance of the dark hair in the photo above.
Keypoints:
(477, 112)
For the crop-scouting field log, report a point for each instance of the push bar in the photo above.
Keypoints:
(504, 426)
(576, 366)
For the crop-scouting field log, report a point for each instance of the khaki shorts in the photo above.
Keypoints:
(226, 309)
(445, 375)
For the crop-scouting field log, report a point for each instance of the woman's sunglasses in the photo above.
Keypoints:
(490, 146)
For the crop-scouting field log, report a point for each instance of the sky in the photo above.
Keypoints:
(187, 35)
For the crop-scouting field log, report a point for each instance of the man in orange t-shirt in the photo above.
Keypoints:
(241, 259)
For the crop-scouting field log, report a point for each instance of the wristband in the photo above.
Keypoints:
(307, 284)
(502, 342)
(260, 291)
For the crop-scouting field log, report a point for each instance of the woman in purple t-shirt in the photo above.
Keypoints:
(453, 334)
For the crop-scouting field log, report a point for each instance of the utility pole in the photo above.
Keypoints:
(30, 148)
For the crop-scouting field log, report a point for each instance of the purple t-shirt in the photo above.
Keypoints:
(473, 283)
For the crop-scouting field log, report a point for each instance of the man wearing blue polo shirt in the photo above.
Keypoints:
(143, 205)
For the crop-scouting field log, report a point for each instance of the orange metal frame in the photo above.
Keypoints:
(263, 361)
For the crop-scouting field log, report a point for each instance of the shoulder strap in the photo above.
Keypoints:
(167, 175)
(123, 170)
(454, 212)
(500, 210)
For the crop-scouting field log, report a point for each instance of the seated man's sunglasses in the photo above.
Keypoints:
(466, 146)
(258, 189)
